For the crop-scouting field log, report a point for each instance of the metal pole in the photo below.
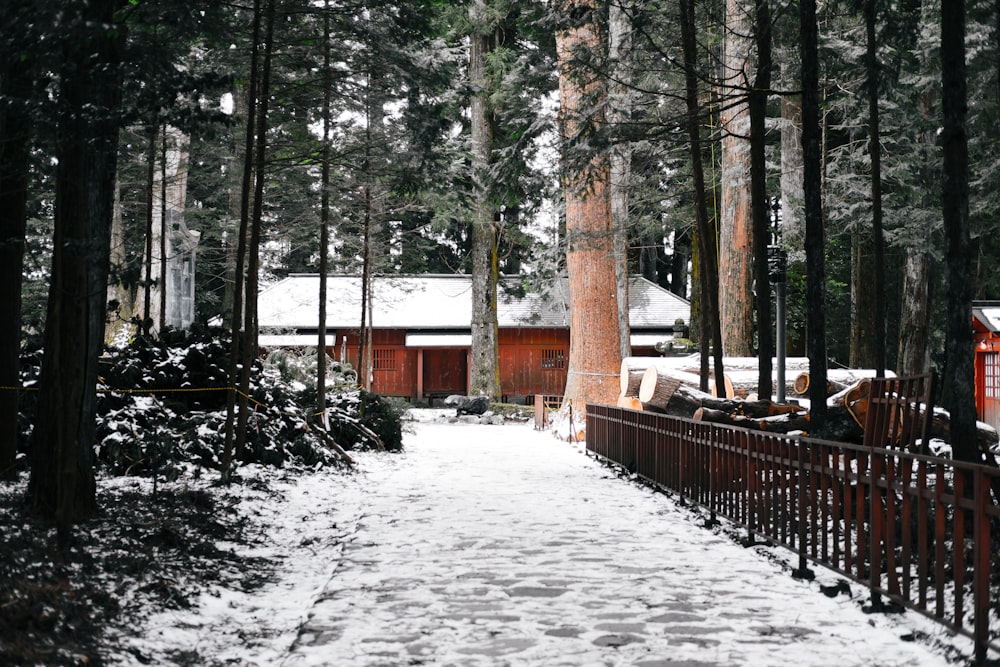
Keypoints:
(779, 312)
(777, 261)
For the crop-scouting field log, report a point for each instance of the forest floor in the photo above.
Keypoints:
(145, 551)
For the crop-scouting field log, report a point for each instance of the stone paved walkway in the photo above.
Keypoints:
(487, 545)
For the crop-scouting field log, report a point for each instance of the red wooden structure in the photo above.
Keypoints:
(986, 332)
(421, 330)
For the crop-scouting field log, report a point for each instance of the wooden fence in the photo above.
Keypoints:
(916, 529)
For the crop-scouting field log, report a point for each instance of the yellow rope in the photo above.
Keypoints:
(111, 390)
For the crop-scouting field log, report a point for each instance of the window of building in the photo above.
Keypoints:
(991, 374)
(553, 359)
(383, 359)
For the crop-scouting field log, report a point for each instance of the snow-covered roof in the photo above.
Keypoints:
(444, 302)
(988, 314)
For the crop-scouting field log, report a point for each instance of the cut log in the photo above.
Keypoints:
(727, 387)
(633, 369)
(659, 384)
(671, 393)
(629, 402)
(630, 375)
(840, 426)
(837, 379)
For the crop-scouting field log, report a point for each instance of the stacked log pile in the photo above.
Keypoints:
(672, 386)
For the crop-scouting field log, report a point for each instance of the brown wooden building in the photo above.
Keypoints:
(421, 329)
(986, 332)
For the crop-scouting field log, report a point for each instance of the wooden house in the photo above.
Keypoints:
(421, 329)
(986, 333)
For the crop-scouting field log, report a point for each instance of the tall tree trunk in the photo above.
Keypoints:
(164, 232)
(250, 346)
(374, 138)
(234, 183)
(619, 112)
(681, 259)
(812, 183)
(484, 370)
(868, 348)
(374, 159)
(62, 485)
(120, 294)
(761, 208)
(736, 303)
(367, 272)
(15, 138)
(147, 283)
(913, 357)
(246, 186)
(959, 380)
(708, 276)
(595, 344)
(792, 220)
(324, 214)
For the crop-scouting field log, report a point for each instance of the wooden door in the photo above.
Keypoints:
(446, 371)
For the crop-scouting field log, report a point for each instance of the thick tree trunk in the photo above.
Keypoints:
(736, 303)
(868, 274)
(15, 132)
(959, 381)
(484, 371)
(914, 356)
(815, 245)
(759, 202)
(62, 485)
(595, 340)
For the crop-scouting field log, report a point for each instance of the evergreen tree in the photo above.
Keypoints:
(62, 486)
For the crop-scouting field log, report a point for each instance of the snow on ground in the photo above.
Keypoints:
(255, 626)
(500, 545)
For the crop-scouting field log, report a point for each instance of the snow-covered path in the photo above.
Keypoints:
(487, 545)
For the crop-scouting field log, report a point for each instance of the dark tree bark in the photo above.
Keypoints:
(62, 485)
(241, 247)
(913, 357)
(253, 247)
(147, 287)
(708, 272)
(759, 206)
(324, 213)
(484, 368)
(868, 256)
(959, 381)
(15, 135)
(161, 323)
(813, 211)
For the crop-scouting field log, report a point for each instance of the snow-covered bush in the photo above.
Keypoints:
(162, 409)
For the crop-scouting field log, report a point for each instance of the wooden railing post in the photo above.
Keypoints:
(981, 567)
(803, 571)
